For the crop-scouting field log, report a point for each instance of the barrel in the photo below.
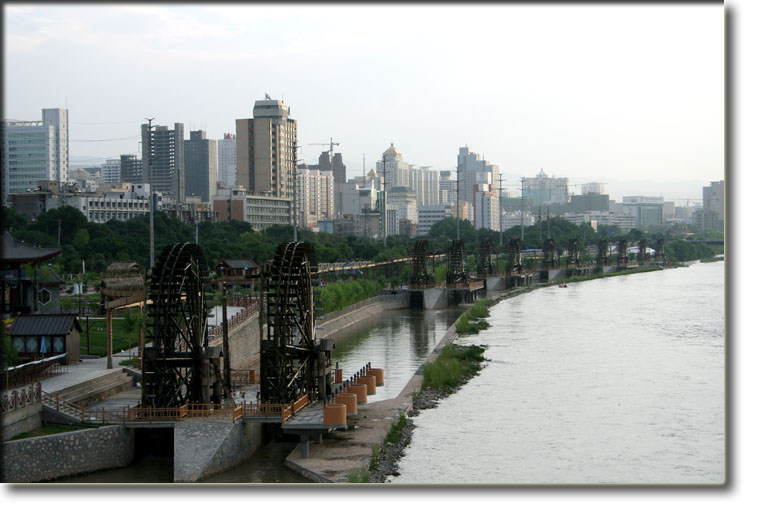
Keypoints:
(360, 390)
(349, 399)
(378, 374)
(370, 382)
(334, 414)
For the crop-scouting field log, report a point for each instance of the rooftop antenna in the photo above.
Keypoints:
(266, 96)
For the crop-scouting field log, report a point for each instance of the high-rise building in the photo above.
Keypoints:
(334, 165)
(486, 207)
(403, 200)
(713, 206)
(447, 189)
(473, 170)
(200, 166)
(163, 157)
(131, 169)
(315, 196)
(266, 149)
(34, 151)
(111, 170)
(545, 190)
(227, 155)
(424, 182)
(392, 169)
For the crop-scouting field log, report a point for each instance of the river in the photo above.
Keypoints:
(618, 380)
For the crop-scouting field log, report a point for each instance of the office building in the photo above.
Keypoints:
(393, 171)
(111, 170)
(35, 151)
(588, 202)
(131, 169)
(485, 207)
(200, 166)
(425, 184)
(227, 157)
(647, 211)
(473, 170)
(429, 215)
(447, 188)
(544, 190)
(261, 211)
(713, 199)
(404, 201)
(266, 150)
(163, 158)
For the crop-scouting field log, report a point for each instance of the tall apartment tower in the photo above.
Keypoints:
(473, 170)
(713, 200)
(131, 169)
(34, 151)
(200, 166)
(335, 165)
(227, 155)
(163, 158)
(266, 149)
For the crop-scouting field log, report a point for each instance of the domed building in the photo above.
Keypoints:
(392, 169)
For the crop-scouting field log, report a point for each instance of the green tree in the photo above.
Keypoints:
(81, 240)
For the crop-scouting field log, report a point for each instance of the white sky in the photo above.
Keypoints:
(629, 95)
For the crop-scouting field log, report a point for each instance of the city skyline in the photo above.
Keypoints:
(574, 90)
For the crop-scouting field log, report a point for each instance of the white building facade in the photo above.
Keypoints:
(429, 215)
(315, 196)
(111, 170)
(35, 151)
(227, 156)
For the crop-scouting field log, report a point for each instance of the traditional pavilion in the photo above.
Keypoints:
(20, 285)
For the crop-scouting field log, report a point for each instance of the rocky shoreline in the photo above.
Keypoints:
(386, 466)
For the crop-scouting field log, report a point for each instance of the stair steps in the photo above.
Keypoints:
(97, 389)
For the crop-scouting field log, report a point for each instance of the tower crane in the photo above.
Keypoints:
(331, 144)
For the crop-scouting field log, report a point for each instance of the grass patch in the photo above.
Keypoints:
(46, 430)
(359, 476)
(126, 335)
(452, 366)
(472, 321)
(133, 362)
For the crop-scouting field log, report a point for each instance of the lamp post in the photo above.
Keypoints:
(150, 186)
(458, 200)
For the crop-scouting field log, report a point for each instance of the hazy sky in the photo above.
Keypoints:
(629, 95)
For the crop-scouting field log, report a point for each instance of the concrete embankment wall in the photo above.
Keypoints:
(21, 420)
(54, 456)
(344, 452)
(245, 340)
(340, 319)
(203, 448)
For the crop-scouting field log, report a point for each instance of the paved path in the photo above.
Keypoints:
(82, 371)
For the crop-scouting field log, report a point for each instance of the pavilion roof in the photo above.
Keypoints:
(16, 252)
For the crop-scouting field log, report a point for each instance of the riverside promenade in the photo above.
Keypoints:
(86, 369)
(343, 452)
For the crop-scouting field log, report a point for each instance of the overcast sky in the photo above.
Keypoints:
(629, 95)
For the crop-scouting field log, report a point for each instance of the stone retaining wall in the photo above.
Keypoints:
(340, 319)
(57, 455)
(21, 420)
